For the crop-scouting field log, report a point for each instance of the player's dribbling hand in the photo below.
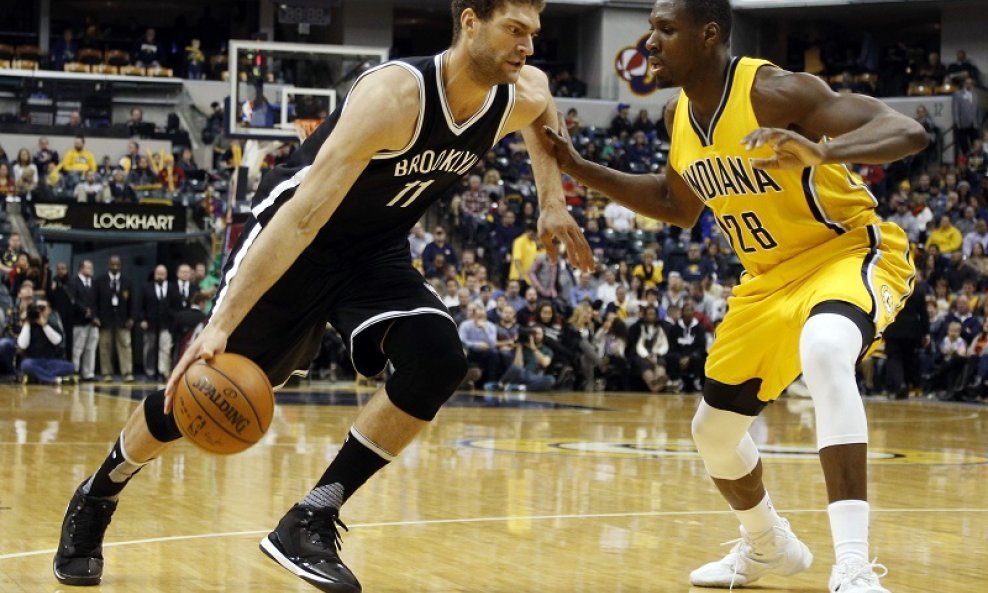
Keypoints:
(207, 344)
(562, 146)
(792, 150)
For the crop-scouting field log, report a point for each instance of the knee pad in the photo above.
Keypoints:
(162, 427)
(829, 346)
(427, 355)
(723, 442)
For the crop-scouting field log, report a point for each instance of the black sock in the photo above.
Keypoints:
(110, 479)
(354, 465)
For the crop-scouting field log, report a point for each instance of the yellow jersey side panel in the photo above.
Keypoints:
(769, 216)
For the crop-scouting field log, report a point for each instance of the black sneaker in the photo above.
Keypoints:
(306, 542)
(79, 558)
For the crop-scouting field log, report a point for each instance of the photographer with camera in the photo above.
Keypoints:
(528, 369)
(39, 342)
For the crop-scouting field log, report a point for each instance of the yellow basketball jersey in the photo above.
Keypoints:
(769, 216)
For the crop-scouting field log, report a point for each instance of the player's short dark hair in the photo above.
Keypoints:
(484, 10)
(711, 11)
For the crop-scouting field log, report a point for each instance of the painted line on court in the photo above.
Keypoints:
(175, 538)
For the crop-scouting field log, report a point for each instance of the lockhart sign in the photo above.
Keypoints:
(110, 217)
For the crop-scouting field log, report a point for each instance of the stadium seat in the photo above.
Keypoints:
(116, 57)
(869, 78)
(90, 56)
(947, 89)
(6, 52)
(25, 65)
(104, 69)
(132, 71)
(4, 64)
(29, 52)
(918, 89)
(160, 72)
(75, 67)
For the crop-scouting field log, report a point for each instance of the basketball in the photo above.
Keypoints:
(225, 405)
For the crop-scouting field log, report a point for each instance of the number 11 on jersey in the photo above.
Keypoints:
(421, 187)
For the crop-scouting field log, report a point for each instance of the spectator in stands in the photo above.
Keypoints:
(961, 312)
(946, 236)
(622, 125)
(439, 246)
(528, 314)
(23, 163)
(595, 238)
(967, 122)
(121, 192)
(643, 123)
(696, 266)
(461, 310)
(584, 291)
(978, 261)
(187, 288)
(572, 121)
(532, 358)
(687, 347)
(7, 185)
(619, 218)
(512, 295)
(40, 342)
(186, 162)
(933, 72)
(91, 191)
(147, 53)
(79, 160)
(607, 287)
(624, 305)
(159, 301)
(136, 127)
(479, 337)
(524, 250)
(647, 348)
(195, 59)
(172, 177)
(115, 306)
(611, 341)
(417, 240)
(85, 321)
(75, 121)
(948, 370)
(44, 155)
(904, 217)
(64, 50)
(26, 185)
(19, 273)
(922, 160)
(142, 177)
(564, 84)
(8, 259)
(962, 69)
(967, 222)
(675, 292)
(474, 204)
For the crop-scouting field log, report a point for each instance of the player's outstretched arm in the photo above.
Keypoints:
(663, 197)
(803, 109)
(380, 114)
(534, 109)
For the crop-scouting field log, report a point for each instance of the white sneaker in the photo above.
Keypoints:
(857, 576)
(774, 551)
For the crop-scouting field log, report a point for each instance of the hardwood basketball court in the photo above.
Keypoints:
(566, 493)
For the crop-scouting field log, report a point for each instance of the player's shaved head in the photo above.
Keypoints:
(484, 9)
(710, 11)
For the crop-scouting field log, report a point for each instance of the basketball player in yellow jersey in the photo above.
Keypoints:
(824, 276)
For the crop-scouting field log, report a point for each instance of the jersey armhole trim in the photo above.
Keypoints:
(512, 97)
(418, 124)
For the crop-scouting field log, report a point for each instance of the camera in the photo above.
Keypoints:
(34, 311)
(524, 333)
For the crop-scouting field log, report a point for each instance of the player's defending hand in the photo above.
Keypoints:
(792, 150)
(562, 146)
(210, 342)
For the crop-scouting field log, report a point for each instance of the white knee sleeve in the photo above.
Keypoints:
(828, 349)
(724, 443)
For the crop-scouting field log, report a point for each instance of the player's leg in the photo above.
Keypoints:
(427, 355)
(830, 345)
(767, 544)
(148, 432)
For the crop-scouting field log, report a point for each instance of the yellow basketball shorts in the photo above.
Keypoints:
(869, 267)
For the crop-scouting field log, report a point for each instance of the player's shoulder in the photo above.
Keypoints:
(772, 82)
(533, 88)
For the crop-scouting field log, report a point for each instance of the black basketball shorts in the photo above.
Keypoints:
(283, 331)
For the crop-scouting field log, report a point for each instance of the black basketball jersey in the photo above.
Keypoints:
(397, 187)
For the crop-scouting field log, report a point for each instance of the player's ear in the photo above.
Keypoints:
(711, 35)
(469, 21)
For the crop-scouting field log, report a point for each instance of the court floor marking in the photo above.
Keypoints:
(468, 520)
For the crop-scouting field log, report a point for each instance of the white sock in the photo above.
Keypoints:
(759, 518)
(849, 526)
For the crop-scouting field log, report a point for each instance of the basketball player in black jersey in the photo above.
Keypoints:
(327, 242)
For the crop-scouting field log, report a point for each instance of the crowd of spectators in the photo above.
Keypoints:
(58, 325)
